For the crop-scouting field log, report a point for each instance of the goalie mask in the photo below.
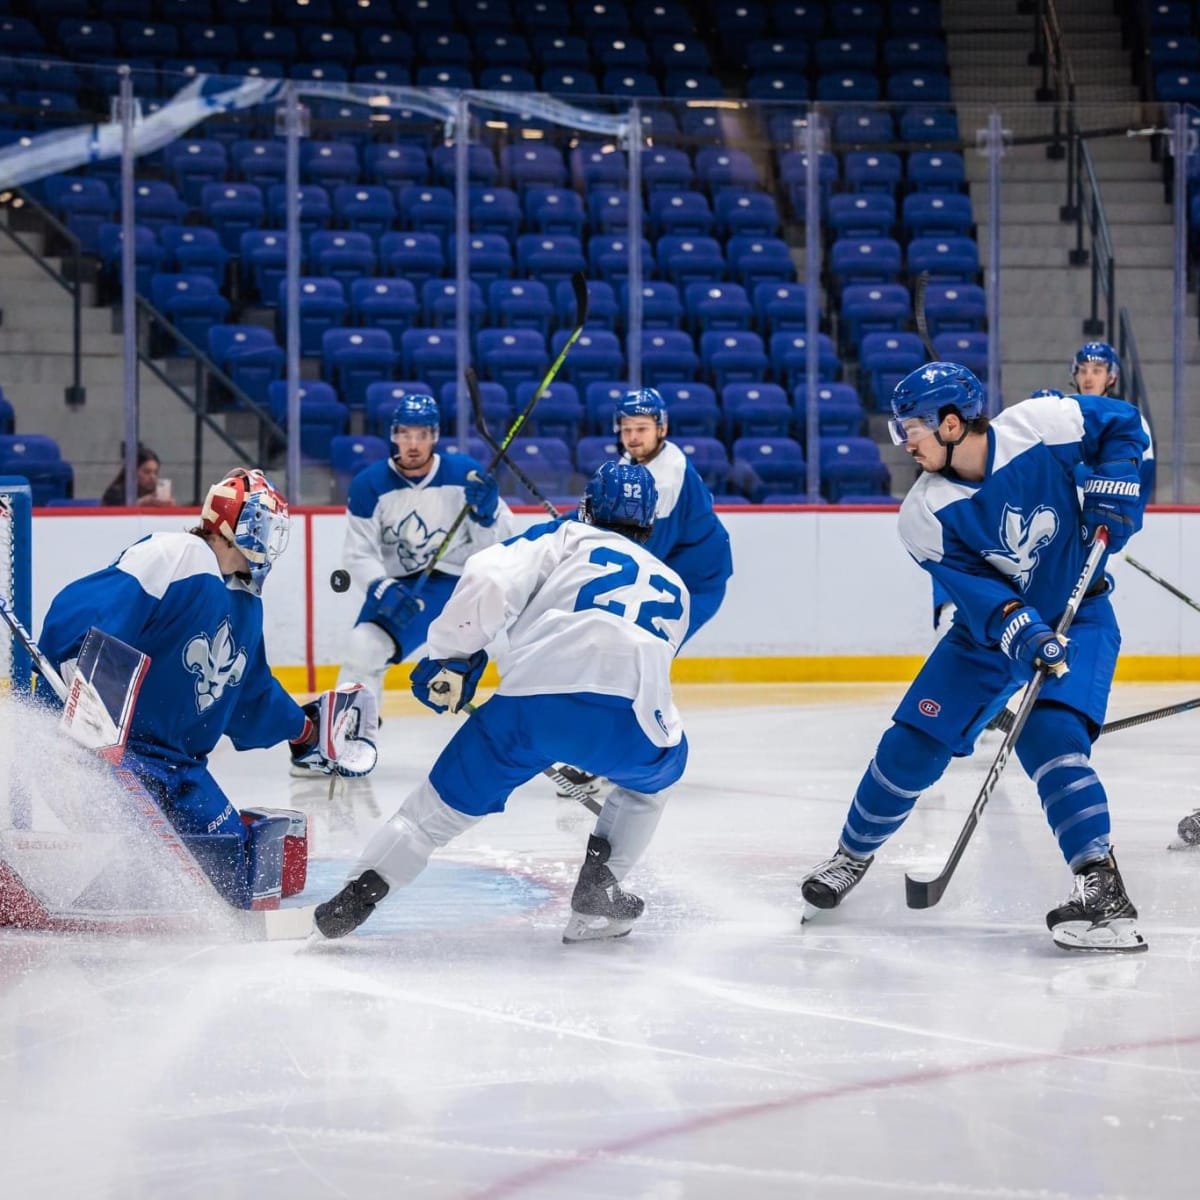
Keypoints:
(249, 512)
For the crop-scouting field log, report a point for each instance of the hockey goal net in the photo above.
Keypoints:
(15, 577)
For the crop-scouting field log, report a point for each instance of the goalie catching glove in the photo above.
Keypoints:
(448, 683)
(339, 733)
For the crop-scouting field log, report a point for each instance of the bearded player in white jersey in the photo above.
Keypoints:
(593, 622)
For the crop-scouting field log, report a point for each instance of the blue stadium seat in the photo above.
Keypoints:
(793, 171)
(429, 354)
(608, 211)
(732, 356)
(595, 357)
(720, 167)
(852, 466)
(511, 356)
(780, 306)
(872, 171)
(948, 259)
(351, 453)
(322, 306)
(862, 215)
(147, 255)
(191, 303)
(439, 304)
(260, 162)
(495, 210)
(932, 214)
(885, 359)
(556, 210)
(546, 460)
(415, 256)
(599, 166)
(684, 213)
(928, 126)
(383, 44)
(955, 308)
(714, 306)
(520, 304)
(778, 54)
(600, 404)
(848, 87)
(447, 75)
(839, 411)
(567, 80)
(707, 455)
(923, 86)
(231, 210)
(557, 414)
(194, 162)
(858, 19)
(549, 257)
(667, 168)
(364, 208)
(352, 359)
(83, 205)
(668, 355)
(969, 349)
(661, 306)
(494, 400)
(692, 85)
(777, 85)
(427, 209)
(532, 164)
(396, 166)
(873, 308)
(322, 416)
(628, 83)
(686, 260)
(856, 52)
(921, 18)
(864, 260)
(936, 171)
(755, 410)
(775, 465)
(329, 163)
(315, 210)
(608, 257)
(692, 409)
(914, 53)
(249, 356)
(37, 458)
(389, 304)
(751, 214)
(591, 452)
(755, 260)
(789, 358)
(489, 256)
(861, 127)
(602, 305)
(481, 165)
(342, 254)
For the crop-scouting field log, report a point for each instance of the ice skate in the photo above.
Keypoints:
(1098, 916)
(1187, 834)
(825, 885)
(574, 784)
(599, 908)
(351, 906)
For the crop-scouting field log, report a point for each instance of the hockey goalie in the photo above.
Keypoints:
(153, 659)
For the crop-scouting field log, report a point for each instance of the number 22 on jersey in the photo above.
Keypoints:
(622, 572)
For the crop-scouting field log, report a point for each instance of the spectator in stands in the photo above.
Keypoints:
(152, 492)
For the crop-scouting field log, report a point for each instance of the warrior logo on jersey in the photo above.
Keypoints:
(413, 542)
(217, 665)
(1023, 540)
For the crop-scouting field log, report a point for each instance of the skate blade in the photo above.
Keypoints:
(1179, 844)
(1117, 937)
(810, 913)
(583, 928)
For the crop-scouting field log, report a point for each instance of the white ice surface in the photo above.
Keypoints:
(453, 1047)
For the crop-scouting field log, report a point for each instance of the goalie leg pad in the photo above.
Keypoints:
(295, 846)
(264, 859)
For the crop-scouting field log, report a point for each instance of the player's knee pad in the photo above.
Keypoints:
(400, 849)
(627, 822)
(908, 761)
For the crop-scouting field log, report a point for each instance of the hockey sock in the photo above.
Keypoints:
(628, 821)
(906, 762)
(1054, 749)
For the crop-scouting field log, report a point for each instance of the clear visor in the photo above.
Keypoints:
(912, 429)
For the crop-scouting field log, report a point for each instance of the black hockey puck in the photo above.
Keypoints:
(339, 581)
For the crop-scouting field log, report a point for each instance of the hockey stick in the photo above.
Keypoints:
(579, 284)
(1156, 714)
(919, 315)
(484, 432)
(924, 893)
(270, 924)
(1133, 562)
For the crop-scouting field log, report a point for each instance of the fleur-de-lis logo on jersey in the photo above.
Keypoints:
(410, 540)
(217, 665)
(1023, 540)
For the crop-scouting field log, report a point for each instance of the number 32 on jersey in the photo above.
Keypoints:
(622, 571)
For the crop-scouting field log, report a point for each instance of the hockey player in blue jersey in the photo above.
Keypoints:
(397, 515)
(593, 622)
(995, 519)
(192, 603)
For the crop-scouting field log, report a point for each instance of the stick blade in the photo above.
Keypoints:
(923, 893)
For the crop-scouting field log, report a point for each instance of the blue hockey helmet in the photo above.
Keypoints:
(925, 394)
(1100, 352)
(641, 402)
(620, 495)
(248, 510)
(416, 409)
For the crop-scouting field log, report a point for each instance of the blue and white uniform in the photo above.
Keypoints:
(688, 536)
(394, 527)
(593, 621)
(1016, 536)
(208, 673)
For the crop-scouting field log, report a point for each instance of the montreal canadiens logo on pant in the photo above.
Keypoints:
(929, 708)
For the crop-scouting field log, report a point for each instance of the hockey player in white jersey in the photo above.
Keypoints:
(996, 519)
(397, 515)
(192, 603)
(593, 622)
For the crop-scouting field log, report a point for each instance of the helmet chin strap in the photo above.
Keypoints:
(949, 447)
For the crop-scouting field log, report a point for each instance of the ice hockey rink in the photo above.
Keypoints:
(454, 1047)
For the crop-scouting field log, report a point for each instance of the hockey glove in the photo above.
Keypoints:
(1112, 496)
(482, 494)
(390, 603)
(339, 735)
(1027, 639)
(448, 683)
